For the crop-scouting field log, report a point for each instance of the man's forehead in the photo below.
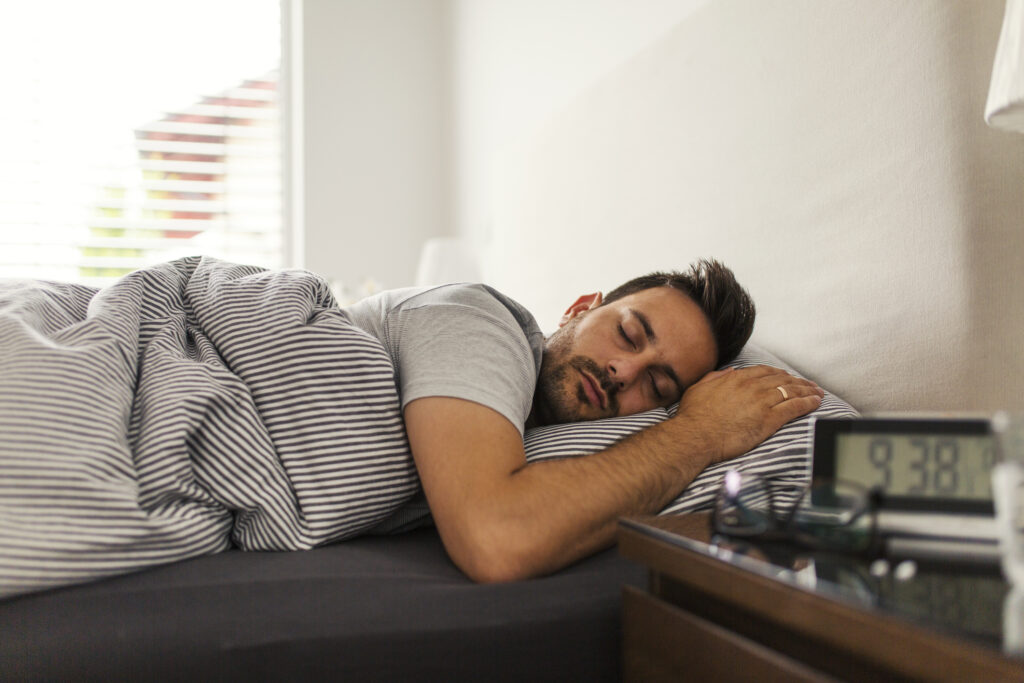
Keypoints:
(664, 299)
(679, 326)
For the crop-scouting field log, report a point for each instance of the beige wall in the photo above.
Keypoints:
(518, 62)
(857, 193)
(814, 137)
(374, 135)
(407, 104)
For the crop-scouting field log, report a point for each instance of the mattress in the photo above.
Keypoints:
(374, 608)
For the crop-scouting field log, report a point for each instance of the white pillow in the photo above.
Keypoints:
(784, 458)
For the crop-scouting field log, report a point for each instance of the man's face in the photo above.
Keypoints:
(634, 354)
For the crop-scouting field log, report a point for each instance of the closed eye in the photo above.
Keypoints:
(654, 386)
(625, 336)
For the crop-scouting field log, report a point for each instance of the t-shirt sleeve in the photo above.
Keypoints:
(468, 352)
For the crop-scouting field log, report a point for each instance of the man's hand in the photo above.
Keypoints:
(738, 409)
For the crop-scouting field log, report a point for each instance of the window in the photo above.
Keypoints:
(137, 132)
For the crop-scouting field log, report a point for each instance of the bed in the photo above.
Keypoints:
(847, 137)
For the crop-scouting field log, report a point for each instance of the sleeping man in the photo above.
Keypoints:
(197, 405)
(473, 370)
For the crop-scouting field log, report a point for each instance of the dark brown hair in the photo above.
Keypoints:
(727, 306)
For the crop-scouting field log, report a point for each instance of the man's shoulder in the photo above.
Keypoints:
(471, 295)
(392, 303)
(460, 293)
(475, 301)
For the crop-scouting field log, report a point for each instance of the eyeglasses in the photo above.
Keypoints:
(831, 515)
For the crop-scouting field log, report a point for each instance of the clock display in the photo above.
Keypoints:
(923, 464)
(918, 465)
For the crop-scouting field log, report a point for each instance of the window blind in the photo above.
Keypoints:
(143, 134)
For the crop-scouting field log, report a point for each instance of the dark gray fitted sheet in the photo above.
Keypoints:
(376, 608)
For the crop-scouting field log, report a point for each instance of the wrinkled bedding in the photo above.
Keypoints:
(190, 407)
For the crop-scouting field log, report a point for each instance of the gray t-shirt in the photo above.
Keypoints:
(465, 341)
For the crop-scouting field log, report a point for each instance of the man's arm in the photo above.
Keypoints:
(503, 519)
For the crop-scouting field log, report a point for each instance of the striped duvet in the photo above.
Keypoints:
(189, 407)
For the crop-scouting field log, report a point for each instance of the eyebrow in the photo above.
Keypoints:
(651, 339)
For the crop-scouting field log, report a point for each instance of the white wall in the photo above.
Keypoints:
(856, 192)
(406, 105)
(375, 135)
(516, 62)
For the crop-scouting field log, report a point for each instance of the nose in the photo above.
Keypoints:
(624, 371)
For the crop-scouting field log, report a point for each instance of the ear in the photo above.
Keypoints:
(582, 305)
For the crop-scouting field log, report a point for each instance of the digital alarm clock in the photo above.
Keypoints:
(934, 475)
(918, 463)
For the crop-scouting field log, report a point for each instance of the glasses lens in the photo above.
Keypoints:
(831, 503)
(833, 513)
(744, 505)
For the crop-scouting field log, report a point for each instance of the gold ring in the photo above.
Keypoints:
(785, 396)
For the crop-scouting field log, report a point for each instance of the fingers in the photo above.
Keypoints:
(795, 398)
(768, 386)
(789, 390)
(743, 407)
(785, 394)
(795, 407)
(771, 379)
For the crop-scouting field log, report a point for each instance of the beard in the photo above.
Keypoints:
(559, 397)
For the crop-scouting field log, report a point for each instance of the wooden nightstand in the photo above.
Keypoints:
(714, 614)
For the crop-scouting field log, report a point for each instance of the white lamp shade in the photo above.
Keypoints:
(1005, 106)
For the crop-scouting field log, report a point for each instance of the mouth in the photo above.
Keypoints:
(592, 389)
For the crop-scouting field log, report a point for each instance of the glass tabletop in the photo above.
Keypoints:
(970, 600)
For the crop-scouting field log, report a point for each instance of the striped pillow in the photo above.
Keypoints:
(784, 458)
